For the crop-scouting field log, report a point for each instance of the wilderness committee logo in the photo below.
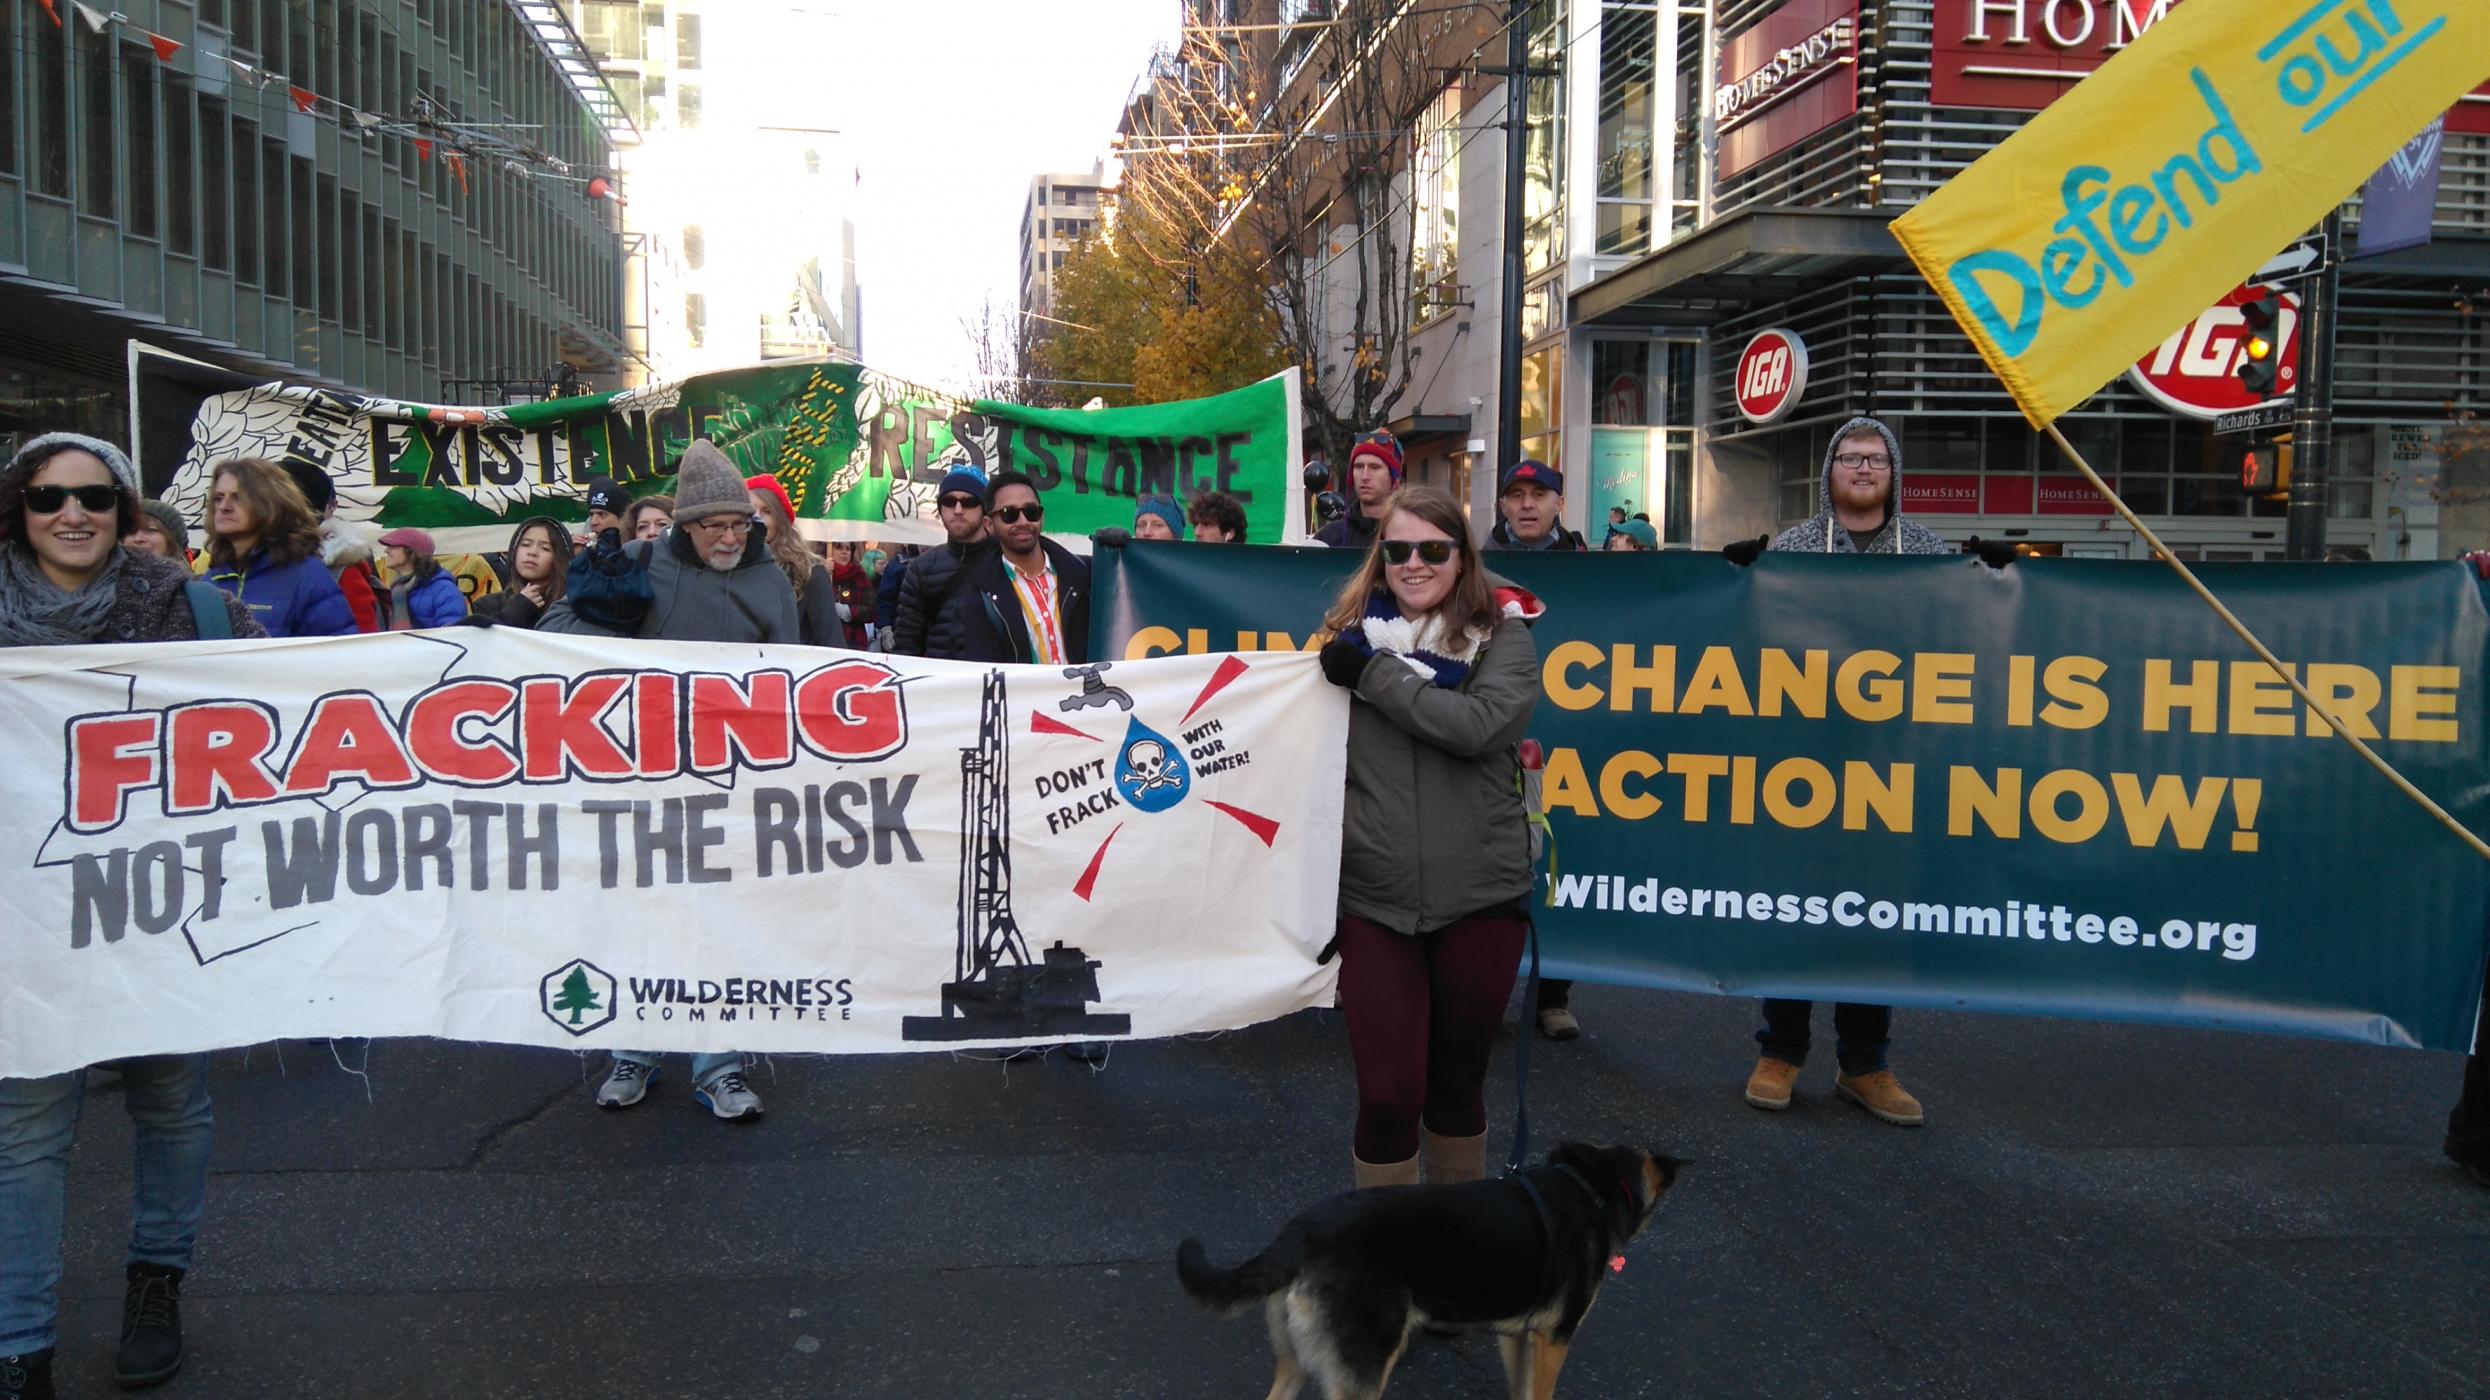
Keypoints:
(577, 996)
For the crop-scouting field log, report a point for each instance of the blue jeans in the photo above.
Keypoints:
(704, 1067)
(167, 1098)
(1860, 1033)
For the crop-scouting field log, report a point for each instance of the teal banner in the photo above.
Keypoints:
(2063, 788)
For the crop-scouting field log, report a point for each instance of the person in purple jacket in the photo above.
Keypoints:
(265, 551)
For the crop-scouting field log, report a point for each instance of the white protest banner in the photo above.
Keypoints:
(507, 836)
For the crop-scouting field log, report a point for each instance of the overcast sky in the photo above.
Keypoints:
(951, 105)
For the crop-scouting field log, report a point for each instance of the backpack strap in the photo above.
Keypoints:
(207, 610)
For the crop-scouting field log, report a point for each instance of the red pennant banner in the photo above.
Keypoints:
(55, 14)
(303, 98)
(423, 150)
(165, 48)
(458, 167)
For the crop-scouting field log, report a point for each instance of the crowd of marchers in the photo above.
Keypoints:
(1438, 866)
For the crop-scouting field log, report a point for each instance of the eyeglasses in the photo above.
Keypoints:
(1013, 515)
(960, 503)
(49, 500)
(1876, 460)
(1432, 551)
(732, 524)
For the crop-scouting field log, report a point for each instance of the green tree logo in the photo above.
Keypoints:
(577, 996)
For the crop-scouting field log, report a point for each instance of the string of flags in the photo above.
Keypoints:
(453, 142)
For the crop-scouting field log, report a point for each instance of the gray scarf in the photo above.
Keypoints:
(35, 612)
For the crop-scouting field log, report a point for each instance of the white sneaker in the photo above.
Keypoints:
(626, 1085)
(729, 1097)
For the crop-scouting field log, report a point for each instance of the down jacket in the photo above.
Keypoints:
(1434, 828)
(300, 599)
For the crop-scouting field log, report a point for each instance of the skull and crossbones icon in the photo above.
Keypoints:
(1146, 762)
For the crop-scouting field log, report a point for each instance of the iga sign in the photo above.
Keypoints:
(1785, 79)
(2196, 371)
(2022, 55)
(1772, 375)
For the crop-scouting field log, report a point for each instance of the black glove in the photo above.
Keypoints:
(1997, 554)
(1344, 661)
(477, 619)
(609, 585)
(1745, 552)
(1112, 537)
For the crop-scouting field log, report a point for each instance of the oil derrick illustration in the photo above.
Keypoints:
(998, 990)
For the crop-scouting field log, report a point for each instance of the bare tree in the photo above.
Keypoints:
(1004, 343)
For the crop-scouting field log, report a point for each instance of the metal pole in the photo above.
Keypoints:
(1516, 116)
(2312, 425)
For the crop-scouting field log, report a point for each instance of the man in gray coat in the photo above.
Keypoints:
(710, 579)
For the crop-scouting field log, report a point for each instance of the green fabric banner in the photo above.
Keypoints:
(861, 454)
(2062, 788)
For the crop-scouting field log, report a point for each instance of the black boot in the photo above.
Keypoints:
(151, 1327)
(27, 1377)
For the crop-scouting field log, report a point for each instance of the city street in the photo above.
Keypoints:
(2095, 1209)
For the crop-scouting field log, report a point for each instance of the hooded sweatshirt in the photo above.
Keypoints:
(1823, 533)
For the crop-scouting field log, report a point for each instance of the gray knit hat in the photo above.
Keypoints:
(113, 458)
(169, 515)
(707, 484)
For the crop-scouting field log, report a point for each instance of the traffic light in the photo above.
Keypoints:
(2265, 470)
(2258, 366)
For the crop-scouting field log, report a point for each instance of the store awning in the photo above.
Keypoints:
(1756, 255)
(1414, 429)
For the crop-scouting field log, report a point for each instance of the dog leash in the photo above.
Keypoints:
(1521, 1062)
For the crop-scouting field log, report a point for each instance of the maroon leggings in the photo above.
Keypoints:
(1423, 1011)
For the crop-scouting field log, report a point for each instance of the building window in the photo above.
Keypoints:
(138, 82)
(47, 110)
(1543, 404)
(246, 203)
(613, 31)
(97, 141)
(180, 198)
(695, 247)
(215, 188)
(1543, 147)
(687, 106)
(8, 104)
(1628, 113)
(1435, 185)
(687, 41)
(274, 264)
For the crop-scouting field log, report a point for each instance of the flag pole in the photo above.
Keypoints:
(2289, 676)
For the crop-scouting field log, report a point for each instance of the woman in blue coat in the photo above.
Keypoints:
(425, 594)
(265, 551)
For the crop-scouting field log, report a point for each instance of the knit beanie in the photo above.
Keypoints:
(1164, 509)
(707, 484)
(1380, 444)
(318, 491)
(168, 515)
(768, 483)
(114, 459)
(963, 479)
(603, 494)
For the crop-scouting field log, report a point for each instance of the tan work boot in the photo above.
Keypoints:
(1769, 1086)
(1881, 1094)
(1450, 1160)
(1401, 1173)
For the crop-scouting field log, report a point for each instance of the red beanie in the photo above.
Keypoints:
(769, 483)
(1378, 443)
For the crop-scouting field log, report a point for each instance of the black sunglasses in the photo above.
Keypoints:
(1432, 551)
(1013, 515)
(960, 503)
(48, 500)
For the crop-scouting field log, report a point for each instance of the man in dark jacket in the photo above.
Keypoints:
(1530, 498)
(925, 592)
(1374, 473)
(709, 579)
(1027, 598)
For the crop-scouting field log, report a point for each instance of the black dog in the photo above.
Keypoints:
(1522, 1257)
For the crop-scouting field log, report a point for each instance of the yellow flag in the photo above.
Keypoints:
(2172, 173)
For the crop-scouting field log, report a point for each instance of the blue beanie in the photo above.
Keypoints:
(963, 478)
(1164, 509)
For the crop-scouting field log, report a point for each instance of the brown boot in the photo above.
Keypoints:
(1769, 1086)
(1451, 1160)
(1881, 1094)
(1401, 1173)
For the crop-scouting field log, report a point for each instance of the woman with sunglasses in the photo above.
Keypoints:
(1435, 847)
(66, 504)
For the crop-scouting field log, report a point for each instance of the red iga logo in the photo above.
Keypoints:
(2196, 371)
(1772, 375)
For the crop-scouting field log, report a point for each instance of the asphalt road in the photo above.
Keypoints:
(2094, 1209)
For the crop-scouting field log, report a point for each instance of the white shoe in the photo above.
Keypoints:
(626, 1085)
(729, 1097)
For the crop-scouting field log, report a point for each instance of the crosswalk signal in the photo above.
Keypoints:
(2265, 469)
(2258, 366)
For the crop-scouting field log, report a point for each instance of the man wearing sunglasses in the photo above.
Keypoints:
(924, 626)
(1028, 599)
